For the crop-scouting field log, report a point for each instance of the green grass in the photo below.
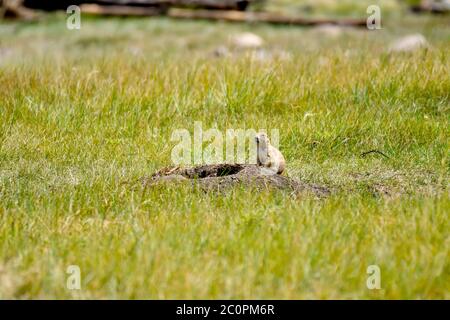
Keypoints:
(85, 114)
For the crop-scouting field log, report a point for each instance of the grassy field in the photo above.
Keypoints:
(85, 114)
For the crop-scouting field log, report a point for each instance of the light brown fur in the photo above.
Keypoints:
(268, 156)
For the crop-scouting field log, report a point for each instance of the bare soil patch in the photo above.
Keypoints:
(222, 177)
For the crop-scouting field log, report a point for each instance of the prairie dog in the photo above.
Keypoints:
(267, 155)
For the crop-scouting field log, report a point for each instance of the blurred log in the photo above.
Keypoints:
(14, 9)
(217, 15)
(50, 5)
(122, 10)
(204, 4)
(265, 17)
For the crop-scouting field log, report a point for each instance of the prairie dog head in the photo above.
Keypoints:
(262, 139)
(262, 148)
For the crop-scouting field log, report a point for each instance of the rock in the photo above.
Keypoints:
(409, 43)
(247, 40)
(222, 177)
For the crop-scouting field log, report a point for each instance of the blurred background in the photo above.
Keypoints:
(166, 28)
(309, 7)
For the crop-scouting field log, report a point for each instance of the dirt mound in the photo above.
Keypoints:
(222, 177)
